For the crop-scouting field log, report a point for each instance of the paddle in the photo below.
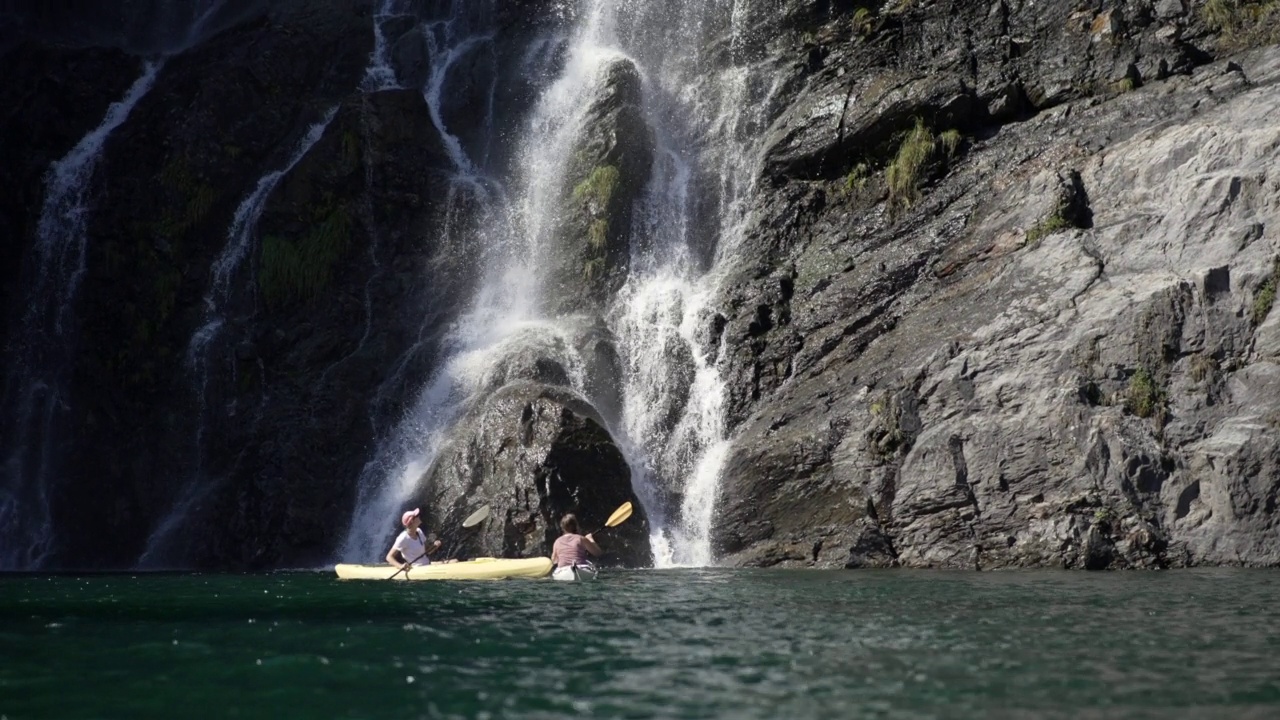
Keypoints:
(472, 520)
(617, 518)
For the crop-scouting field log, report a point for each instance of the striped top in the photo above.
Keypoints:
(569, 551)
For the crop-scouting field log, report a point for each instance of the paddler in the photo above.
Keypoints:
(571, 549)
(411, 545)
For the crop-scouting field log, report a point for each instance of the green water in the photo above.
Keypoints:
(670, 644)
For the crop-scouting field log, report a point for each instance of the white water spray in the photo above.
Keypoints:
(673, 393)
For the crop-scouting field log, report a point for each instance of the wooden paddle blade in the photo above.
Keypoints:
(476, 517)
(619, 515)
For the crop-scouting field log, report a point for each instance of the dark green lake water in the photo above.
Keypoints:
(672, 644)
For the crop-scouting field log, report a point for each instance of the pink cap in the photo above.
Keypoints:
(409, 515)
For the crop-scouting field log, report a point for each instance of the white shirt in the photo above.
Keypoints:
(413, 549)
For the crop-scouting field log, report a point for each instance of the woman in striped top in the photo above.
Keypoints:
(572, 549)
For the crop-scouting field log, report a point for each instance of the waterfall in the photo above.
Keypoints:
(406, 450)
(503, 313)
(241, 238)
(672, 428)
(35, 403)
(707, 118)
(380, 75)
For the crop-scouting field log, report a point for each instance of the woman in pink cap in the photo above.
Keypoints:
(411, 545)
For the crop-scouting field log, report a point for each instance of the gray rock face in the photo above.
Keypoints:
(1063, 355)
(533, 452)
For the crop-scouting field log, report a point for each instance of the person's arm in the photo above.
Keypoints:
(555, 556)
(591, 546)
(391, 558)
(429, 547)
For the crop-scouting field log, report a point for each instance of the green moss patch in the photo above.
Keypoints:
(1243, 23)
(185, 200)
(299, 270)
(907, 169)
(598, 188)
(1144, 398)
(856, 180)
(598, 233)
(863, 21)
(1051, 224)
(950, 141)
(1265, 298)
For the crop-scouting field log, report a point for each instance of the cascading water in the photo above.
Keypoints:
(673, 395)
(35, 396)
(408, 448)
(380, 75)
(671, 424)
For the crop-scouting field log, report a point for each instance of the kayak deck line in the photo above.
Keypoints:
(477, 569)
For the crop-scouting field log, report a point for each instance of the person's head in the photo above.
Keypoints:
(410, 519)
(569, 524)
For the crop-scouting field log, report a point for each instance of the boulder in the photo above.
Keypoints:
(533, 453)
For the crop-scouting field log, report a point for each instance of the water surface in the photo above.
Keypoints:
(678, 643)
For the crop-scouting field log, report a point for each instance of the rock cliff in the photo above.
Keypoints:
(1002, 297)
(1007, 300)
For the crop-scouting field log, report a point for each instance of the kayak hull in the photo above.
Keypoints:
(478, 569)
(570, 573)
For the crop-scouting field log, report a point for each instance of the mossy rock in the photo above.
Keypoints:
(598, 188)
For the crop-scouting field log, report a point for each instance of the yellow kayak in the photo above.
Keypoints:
(478, 569)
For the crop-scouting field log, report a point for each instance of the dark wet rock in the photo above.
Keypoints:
(68, 91)
(140, 27)
(532, 355)
(602, 371)
(409, 53)
(313, 330)
(301, 361)
(533, 453)
(871, 547)
(605, 176)
(166, 190)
